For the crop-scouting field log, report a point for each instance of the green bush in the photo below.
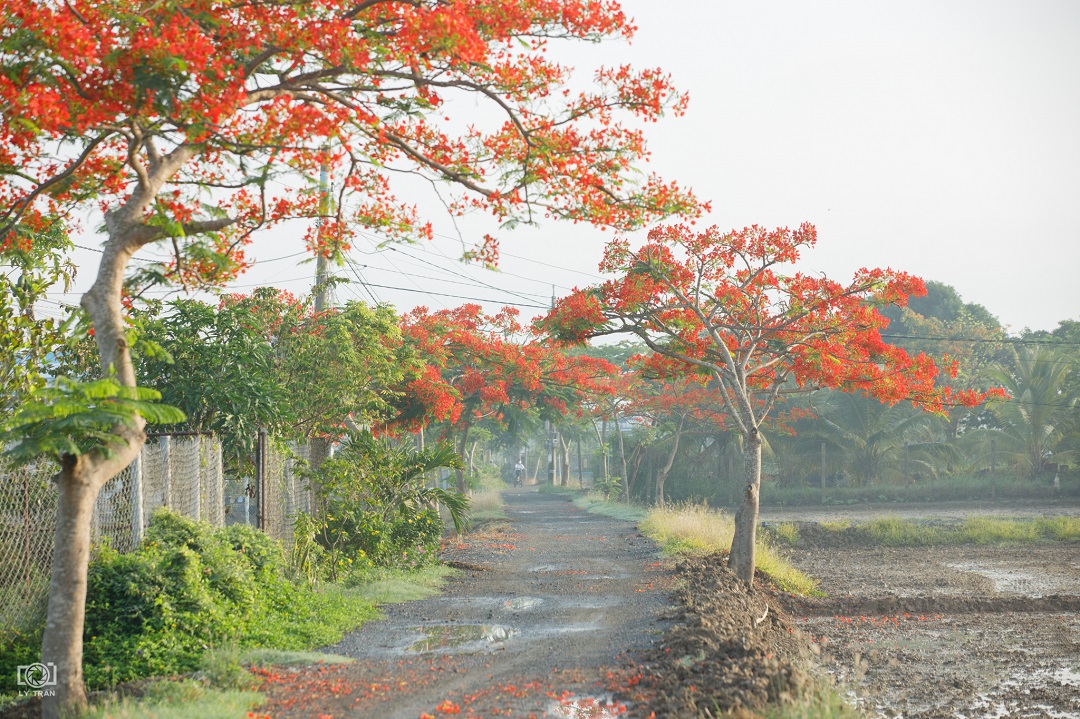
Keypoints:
(190, 588)
(376, 508)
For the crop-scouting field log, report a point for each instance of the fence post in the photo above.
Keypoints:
(218, 478)
(164, 443)
(137, 499)
(200, 472)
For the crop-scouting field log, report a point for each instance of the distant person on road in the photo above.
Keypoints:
(519, 470)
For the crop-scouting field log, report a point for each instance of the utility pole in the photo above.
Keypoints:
(321, 265)
(320, 447)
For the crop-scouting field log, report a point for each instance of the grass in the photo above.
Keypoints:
(545, 488)
(278, 658)
(787, 533)
(597, 504)
(821, 702)
(486, 504)
(698, 529)
(392, 586)
(937, 490)
(178, 700)
(896, 532)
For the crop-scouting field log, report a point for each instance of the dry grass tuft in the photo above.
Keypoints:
(486, 504)
(698, 529)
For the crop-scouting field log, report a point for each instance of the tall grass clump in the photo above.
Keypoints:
(178, 700)
(1059, 529)
(697, 529)
(486, 504)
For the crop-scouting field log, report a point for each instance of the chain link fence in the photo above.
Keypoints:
(286, 492)
(181, 472)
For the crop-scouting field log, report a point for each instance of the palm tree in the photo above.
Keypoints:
(874, 440)
(1041, 414)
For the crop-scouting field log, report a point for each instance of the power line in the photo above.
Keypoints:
(983, 340)
(363, 283)
(101, 252)
(529, 259)
(473, 281)
(501, 272)
(459, 297)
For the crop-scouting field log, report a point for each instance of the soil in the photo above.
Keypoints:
(956, 631)
(731, 647)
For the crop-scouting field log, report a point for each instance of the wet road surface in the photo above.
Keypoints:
(537, 625)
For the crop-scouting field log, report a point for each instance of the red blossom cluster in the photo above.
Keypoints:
(716, 308)
(162, 108)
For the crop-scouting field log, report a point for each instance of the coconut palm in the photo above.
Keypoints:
(1040, 416)
(874, 440)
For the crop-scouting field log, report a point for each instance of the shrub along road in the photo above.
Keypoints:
(538, 622)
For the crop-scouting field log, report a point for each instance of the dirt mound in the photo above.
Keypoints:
(730, 648)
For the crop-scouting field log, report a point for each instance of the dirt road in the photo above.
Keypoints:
(537, 626)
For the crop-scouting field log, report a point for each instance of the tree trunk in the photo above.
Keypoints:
(622, 456)
(662, 474)
(539, 461)
(62, 643)
(318, 452)
(603, 448)
(741, 559)
(78, 484)
(580, 466)
(564, 467)
(472, 458)
(461, 450)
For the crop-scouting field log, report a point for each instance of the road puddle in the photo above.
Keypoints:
(521, 604)
(588, 707)
(460, 636)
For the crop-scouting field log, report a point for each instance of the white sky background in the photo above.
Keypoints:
(938, 137)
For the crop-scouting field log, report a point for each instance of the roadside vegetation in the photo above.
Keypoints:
(896, 532)
(687, 529)
(190, 590)
(485, 498)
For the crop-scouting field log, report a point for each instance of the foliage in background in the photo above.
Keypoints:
(1038, 426)
(375, 508)
(27, 271)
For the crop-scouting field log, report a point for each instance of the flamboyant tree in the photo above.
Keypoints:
(672, 403)
(714, 304)
(176, 120)
(478, 368)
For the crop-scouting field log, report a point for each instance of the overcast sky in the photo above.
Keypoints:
(941, 138)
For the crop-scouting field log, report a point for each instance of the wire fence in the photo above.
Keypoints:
(181, 472)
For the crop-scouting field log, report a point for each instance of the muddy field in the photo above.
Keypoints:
(963, 631)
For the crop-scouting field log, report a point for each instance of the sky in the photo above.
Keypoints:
(941, 138)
